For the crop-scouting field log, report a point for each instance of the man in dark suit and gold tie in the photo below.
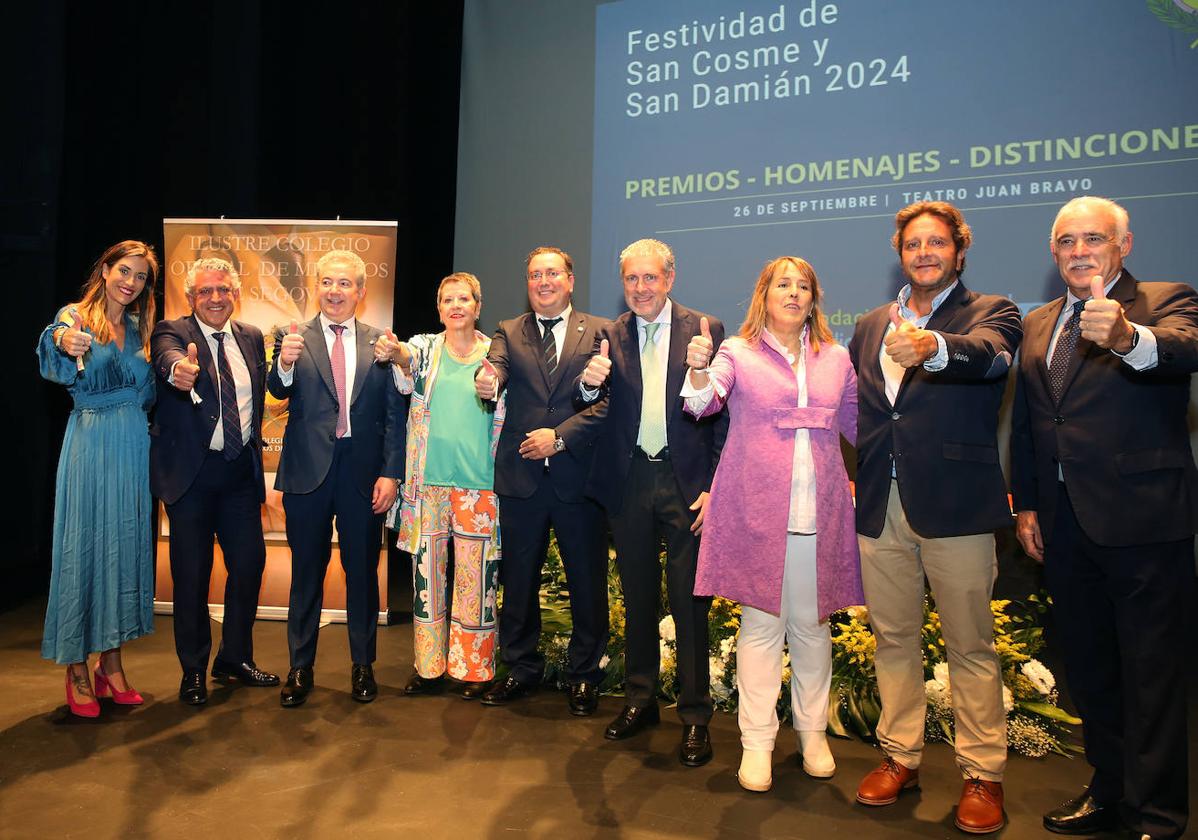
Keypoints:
(342, 459)
(1106, 494)
(541, 465)
(652, 472)
(206, 466)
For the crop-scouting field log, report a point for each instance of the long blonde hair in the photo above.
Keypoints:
(819, 332)
(93, 301)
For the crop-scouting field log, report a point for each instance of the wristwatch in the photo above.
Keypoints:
(559, 445)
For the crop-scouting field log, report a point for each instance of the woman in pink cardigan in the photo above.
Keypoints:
(778, 534)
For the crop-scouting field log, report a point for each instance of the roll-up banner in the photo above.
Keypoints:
(276, 260)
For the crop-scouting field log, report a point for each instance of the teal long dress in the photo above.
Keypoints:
(102, 577)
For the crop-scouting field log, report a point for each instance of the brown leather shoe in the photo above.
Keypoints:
(883, 785)
(980, 808)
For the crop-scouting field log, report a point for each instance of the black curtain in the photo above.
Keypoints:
(120, 114)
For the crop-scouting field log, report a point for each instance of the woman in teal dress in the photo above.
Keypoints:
(102, 578)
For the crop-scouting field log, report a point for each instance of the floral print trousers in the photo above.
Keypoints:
(455, 632)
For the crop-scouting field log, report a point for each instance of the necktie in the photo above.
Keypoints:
(1062, 355)
(230, 417)
(548, 345)
(653, 396)
(337, 357)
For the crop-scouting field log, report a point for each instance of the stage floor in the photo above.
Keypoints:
(421, 767)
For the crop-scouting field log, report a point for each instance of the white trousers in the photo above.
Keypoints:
(759, 654)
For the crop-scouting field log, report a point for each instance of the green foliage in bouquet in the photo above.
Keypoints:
(1036, 725)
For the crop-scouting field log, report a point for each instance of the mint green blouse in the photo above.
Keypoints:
(459, 435)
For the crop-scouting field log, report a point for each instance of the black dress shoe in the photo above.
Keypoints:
(296, 689)
(584, 699)
(473, 690)
(419, 685)
(192, 689)
(631, 720)
(362, 686)
(1081, 815)
(507, 691)
(246, 673)
(695, 749)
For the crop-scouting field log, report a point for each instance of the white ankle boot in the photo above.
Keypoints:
(756, 770)
(817, 758)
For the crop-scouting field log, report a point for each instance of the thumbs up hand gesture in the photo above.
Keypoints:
(386, 349)
(75, 342)
(700, 348)
(1103, 321)
(486, 381)
(291, 347)
(599, 367)
(186, 370)
(907, 344)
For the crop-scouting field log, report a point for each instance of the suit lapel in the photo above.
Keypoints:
(319, 351)
(574, 332)
(1123, 291)
(631, 351)
(942, 319)
(206, 389)
(250, 353)
(532, 335)
(870, 361)
(365, 360)
(682, 327)
(1037, 339)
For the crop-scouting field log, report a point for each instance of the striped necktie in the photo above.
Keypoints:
(548, 345)
(230, 417)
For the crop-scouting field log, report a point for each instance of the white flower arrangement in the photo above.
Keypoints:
(1039, 676)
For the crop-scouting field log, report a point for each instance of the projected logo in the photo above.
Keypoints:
(1178, 14)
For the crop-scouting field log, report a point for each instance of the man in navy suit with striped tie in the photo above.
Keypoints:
(206, 466)
(541, 466)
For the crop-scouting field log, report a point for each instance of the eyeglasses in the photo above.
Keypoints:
(644, 279)
(549, 273)
(214, 291)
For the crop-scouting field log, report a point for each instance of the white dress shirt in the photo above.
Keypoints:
(559, 329)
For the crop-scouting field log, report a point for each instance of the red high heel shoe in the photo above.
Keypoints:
(90, 709)
(105, 688)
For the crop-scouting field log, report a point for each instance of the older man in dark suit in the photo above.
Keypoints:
(931, 370)
(206, 466)
(342, 459)
(1104, 483)
(541, 464)
(652, 472)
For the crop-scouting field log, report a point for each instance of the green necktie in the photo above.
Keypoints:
(653, 396)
